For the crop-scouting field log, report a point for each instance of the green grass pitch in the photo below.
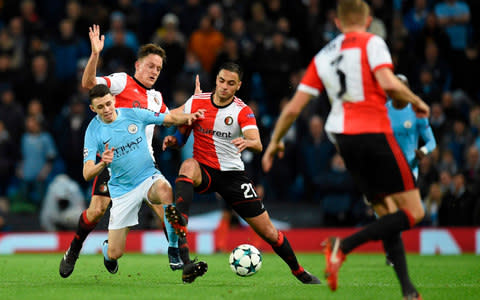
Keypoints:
(35, 276)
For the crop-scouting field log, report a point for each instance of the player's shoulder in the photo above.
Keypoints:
(202, 96)
(239, 102)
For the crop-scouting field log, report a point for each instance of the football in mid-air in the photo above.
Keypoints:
(245, 260)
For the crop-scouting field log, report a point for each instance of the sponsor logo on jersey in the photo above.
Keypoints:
(228, 121)
(132, 128)
(407, 124)
(128, 147)
(214, 132)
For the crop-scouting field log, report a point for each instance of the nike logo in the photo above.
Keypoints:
(107, 141)
(333, 258)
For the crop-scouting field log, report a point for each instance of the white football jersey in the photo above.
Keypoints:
(345, 67)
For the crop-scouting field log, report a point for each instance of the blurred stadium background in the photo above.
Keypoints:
(44, 47)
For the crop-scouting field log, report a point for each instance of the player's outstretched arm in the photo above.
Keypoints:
(90, 169)
(399, 91)
(97, 42)
(183, 119)
(289, 114)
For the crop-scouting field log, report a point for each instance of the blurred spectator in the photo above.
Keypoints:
(428, 88)
(130, 12)
(11, 114)
(438, 67)
(414, 19)
(447, 162)
(117, 24)
(173, 42)
(458, 140)
(118, 57)
(339, 189)
(384, 11)
(277, 62)
(432, 32)
(433, 202)
(438, 121)
(190, 16)
(316, 152)
(467, 70)
(445, 180)
(17, 34)
(39, 46)
(329, 29)
(471, 171)
(7, 161)
(75, 13)
(63, 203)
(238, 32)
(40, 83)
(70, 127)
(31, 21)
(454, 16)
(427, 174)
(378, 27)
(206, 42)
(192, 68)
(38, 155)
(7, 75)
(215, 12)
(35, 109)
(457, 207)
(259, 27)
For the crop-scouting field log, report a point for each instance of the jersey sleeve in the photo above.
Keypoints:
(246, 119)
(90, 145)
(378, 54)
(311, 82)
(116, 82)
(426, 133)
(187, 108)
(148, 116)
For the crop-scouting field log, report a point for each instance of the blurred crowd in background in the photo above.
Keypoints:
(44, 111)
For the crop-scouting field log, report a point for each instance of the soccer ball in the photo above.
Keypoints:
(245, 260)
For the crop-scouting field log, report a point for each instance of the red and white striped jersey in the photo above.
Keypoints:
(214, 134)
(130, 93)
(345, 67)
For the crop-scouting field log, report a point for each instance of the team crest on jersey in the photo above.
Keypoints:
(228, 120)
(407, 124)
(132, 128)
(103, 188)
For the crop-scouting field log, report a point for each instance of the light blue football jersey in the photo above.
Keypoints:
(407, 129)
(132, 162)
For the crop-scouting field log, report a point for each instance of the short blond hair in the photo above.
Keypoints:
(352, 12)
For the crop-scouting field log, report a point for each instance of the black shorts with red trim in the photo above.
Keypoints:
(376, 163)
(100, 184)
(237, 190)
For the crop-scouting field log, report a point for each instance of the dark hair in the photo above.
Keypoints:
(98, 91)
(147, 49)
(232, 67)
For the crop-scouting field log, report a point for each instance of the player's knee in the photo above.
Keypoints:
(114, 253)
(188, 167)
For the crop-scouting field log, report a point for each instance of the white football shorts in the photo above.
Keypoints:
(124, 210)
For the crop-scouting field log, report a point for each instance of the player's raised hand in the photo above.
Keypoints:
(199, 114)
(169, 141)
(198, 90)
(272, 150)
(96, 40)
(107, 155)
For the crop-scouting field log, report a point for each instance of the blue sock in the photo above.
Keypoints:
(172, 236)
(105, 251)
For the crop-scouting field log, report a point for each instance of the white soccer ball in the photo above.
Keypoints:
(245, 260)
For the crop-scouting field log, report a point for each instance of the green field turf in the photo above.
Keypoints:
(35, 276)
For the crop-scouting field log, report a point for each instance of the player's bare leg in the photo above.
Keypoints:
(177, 216)
(264, 227)
(410, 213)
(113, 248)
(86, 223)
(160, 195)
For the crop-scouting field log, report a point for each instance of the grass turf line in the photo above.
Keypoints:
(35, 276)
